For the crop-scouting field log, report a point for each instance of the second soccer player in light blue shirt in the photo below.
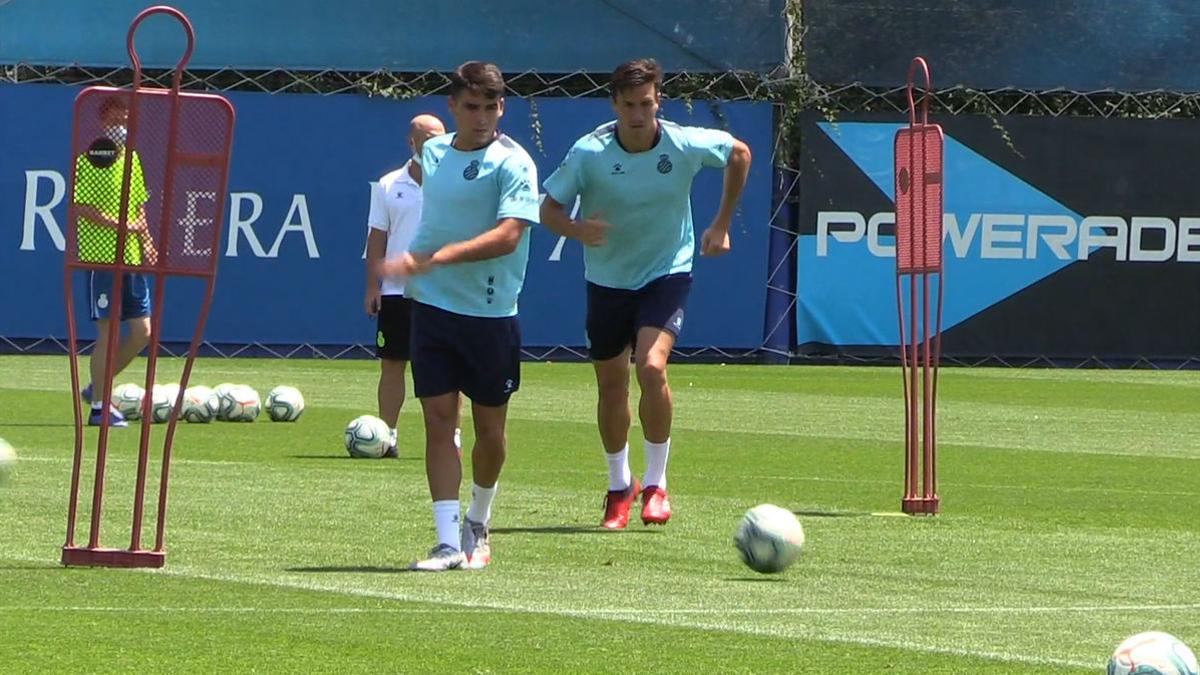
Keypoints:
(633, 179)
(466, 267)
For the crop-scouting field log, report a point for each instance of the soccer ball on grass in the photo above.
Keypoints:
(368, 437)
(1152, 653)
(239, 403)
(769, 538)
(8, 461)
(200, 405)
(285, 404)
(128, 400)
(162, 402)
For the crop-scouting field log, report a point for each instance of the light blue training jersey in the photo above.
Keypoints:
(646, 196)
(466, 194)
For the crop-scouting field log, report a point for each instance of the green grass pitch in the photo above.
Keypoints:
(1070, 521)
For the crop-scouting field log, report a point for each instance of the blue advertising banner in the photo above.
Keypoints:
(1064, 237)
(291, 268)
(366, 35)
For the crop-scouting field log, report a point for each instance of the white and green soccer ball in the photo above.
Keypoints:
(128, 400)
(1152, 653)
(8, 461)
(368, 437)
(221, 390)
(162, 401)
(200, 405)
(285, 404)
(769, 538)
(238, 403)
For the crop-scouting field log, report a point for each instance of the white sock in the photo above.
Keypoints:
(458, 440)
(446, 516)
(619, 477)
(96, 405)
(480, 509)
(656, 463)
(394, 437)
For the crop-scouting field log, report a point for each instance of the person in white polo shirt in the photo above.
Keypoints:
(393, 221)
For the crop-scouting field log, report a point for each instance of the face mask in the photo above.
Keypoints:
(117, 134)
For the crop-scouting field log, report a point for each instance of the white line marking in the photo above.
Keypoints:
(616, 611)
(633, 614)
(246, 610)
(808, 479)
(88, 461)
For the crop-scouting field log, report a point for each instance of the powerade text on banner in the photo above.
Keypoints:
(1064, 237)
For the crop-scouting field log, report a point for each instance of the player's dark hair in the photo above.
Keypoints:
(115, 102)
(635, 73)
(479, 77)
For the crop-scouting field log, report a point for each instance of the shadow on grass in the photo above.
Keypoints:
(567, 529)
(349, 569)
(44, 425)
(832, 514)
(762, 579)
(348, 458)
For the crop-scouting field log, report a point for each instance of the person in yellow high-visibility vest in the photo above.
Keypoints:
(97, 194)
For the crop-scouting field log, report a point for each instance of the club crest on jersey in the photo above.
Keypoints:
(664, 163)
(618, 169)
(472, 170)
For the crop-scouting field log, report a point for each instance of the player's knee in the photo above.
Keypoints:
(101, 335)
(438, 435)
(440, 420)
(613, 381)
(652, 369)
(139, 334)
(614, 389)
(490, 436)
(392, 368)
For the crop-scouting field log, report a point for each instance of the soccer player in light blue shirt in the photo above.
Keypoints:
(633, 180)
(465, 269)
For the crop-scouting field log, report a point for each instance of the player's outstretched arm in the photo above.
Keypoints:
(715, 240)
(590, 231)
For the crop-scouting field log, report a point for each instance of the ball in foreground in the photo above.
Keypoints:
(368, 437)
(8, 461)
(1152, 653)
(285, 404)
(769, 538)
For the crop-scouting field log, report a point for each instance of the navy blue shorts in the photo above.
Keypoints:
(481, 357)
(393, 329)
(135, 295)
(614, 315)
